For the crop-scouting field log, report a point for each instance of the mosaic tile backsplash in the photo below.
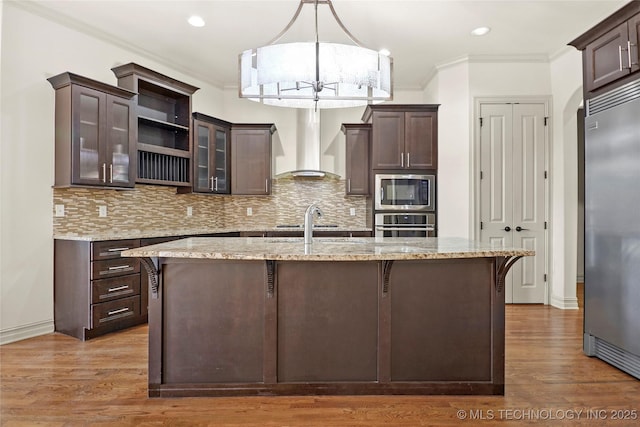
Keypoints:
(149, 208)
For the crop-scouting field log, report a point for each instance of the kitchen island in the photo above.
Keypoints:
(273, 316)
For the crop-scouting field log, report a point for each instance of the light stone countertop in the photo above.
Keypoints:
(145, 234)
(324, 249)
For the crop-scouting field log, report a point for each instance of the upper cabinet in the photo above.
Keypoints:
(95, 133)
(358, 150)
(403, 136)
(610, 51)
(163, 110)
(251, 159)
(211, 160)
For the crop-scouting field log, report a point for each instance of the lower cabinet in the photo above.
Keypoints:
(95, 290)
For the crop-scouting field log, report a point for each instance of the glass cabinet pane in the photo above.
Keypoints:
(202, 165)
(88, 133)
(221, 160)
(119, 142)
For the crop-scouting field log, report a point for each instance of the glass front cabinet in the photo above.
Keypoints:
(95, 133)
(211, 154)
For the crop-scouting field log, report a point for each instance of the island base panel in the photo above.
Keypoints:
(240, 328)
(327, 321)
(440, 321)
(213, 322)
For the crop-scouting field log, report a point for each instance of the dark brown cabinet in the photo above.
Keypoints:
(95, 128)
(163, 107)
(251, 158)
(211, 148)
(95, 290)
(358, 150)
(610, 50)
(403, 136)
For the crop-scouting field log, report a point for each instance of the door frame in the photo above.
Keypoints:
(474, 184)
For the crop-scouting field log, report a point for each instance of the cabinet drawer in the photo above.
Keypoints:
(112, 248)
(111, 311)
(114, 288)
(114, 267)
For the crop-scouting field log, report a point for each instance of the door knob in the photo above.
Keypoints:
(507, 228)
(518, 228)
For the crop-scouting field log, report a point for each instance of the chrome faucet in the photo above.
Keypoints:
(312, 210)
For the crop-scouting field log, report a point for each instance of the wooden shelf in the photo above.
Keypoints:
(161, 123)
(163, 182)
(163, 150)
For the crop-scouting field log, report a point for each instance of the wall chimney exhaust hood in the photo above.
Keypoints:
(308, 146)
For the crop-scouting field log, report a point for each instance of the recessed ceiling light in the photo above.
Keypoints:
(384, 52)
(196, 21)
(481, 31)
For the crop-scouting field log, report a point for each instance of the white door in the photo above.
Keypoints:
(513, 192)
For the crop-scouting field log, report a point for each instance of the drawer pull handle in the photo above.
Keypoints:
(122, 310)
(119, 267)
(119, 288)
(117, 249)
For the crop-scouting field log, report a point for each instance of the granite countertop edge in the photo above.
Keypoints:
(324, 249)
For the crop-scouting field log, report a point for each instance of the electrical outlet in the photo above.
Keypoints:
(189, 211)
(249, 211)
(59, 210)
(102, 211)
(352, 211)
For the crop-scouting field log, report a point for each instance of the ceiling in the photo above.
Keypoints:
(421, 34)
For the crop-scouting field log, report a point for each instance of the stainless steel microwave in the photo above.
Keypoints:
(404, 192)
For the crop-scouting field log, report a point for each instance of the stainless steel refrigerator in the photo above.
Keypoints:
(612, 228)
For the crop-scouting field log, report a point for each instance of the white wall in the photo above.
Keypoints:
(456, 86)
(33, 49)
(566, 78)
(451, 90)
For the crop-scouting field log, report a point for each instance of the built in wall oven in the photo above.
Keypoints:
(405, 225)
(404, 192)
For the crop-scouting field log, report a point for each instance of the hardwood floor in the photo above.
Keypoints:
(55, 380)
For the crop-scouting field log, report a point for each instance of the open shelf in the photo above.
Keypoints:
(164, 125)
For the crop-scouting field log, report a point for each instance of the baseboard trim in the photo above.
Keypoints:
(564, 303)
(23, 332)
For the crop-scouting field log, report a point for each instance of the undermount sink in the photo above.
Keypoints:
(332, 240)
(348, 240)
(282, 239)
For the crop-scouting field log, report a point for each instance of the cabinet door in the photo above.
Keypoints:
(120, 150)
(388, 140)
(203, 178)
(357, 161)
(634, 39)
(251, 157)
(421, 140)
(220, 160)
(87, 136)
(604, 59)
